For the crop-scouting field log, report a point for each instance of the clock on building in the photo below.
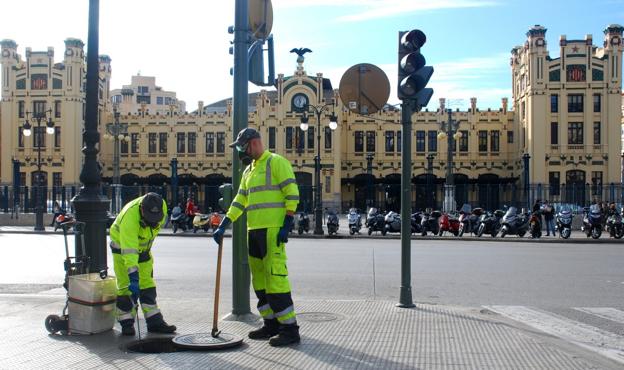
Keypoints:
(299, 102)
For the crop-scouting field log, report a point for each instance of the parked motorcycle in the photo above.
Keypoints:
(514, 223)
(201, 221)
(355, 221)
(535, 225)
(429, 222)
(303, 223)
(564, 222)
(61, 219)
(392, 223)
(614, 225)
(592, 221)
(178, 219)
(332, 223)
(416, 221)
(448, 223)
(375, 221)
(490, 223)
(469, 219)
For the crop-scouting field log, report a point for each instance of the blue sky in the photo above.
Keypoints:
(185, 43)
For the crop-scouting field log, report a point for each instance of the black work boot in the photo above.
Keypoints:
(268, 330)
(288, 334)
(128, 330)
(161, 327)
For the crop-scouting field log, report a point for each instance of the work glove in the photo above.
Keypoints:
(134, 286)
(220, 231)
(282, 235)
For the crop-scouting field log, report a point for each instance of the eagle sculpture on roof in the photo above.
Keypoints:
(300, 51)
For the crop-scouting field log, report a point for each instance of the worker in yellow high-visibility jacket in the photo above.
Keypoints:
(269, 194)
(132, 235)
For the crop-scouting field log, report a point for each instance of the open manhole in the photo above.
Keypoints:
(196, 342)
(152, 345)
(319, 316)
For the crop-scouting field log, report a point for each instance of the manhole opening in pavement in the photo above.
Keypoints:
(319, 316)
(152, 345)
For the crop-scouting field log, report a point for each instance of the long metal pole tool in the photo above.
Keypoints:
(215, 331)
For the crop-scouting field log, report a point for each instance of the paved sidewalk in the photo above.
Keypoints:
(335, 335)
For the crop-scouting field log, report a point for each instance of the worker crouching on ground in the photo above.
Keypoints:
(269, 194)
(132, 235)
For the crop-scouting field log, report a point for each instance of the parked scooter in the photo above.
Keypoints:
(429, 222)
(416, 221)
(201, 221)
(592, 221)
(514, 223)
(355, 221)
(448, 223)
(375, 221)
(303, 223)
(392, 223)
(332, 223)
(564, 222)
(61, 219)
(178, 219)
(215, 221)
(469, 219)
(535, 225)
(490, 223)
(614, 225)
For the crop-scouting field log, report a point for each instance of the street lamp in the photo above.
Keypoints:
(116, 132)
(449, 131)
(525, 158)
(333, 124)
(39, 117)
(369, 184)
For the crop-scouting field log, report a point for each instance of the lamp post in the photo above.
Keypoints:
(369, 185)
(333, 124)
(525, 158)
(430, 198)
(116, 132)
(39, 117)
(449, 131)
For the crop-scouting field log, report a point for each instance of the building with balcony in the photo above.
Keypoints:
(143, 95)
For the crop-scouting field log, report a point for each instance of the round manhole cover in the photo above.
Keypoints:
(205, 341)
(319, 316)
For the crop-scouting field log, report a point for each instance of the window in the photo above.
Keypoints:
(553, 182)
(39, 107)
(162, 143)
(57, 179)
(124, 146)
(328, 183)
(117, 99)
(159, 100)
(143, 90)
(289, 138)
(495, 141)
(596, 182)
(420, 141)
(389, 141)
(575, 133)
(370, 141)
(143, 99)
(554, 103)
(210, 148)
(510, 137)
(575, 103)
(57, 109)
(271, 138)
(328, 138)
(463, 141)
(310, 137)
(432, 138)
(522, 110)
(20, 109)
(151, 143)
(597, 103)
(57, 137)
(39, 136)
(134, 143)
(39, 82)
(192, 140)
(220, 142)
(181, 141)
(299, 139)
(596, 133)
(554, 133)
(483, 141)
(398, 140)
(20, 137)
(359, 141)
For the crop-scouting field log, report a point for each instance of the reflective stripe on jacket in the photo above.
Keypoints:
(267, 190)
(132, 239)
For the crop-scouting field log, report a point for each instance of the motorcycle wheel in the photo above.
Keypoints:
(619, 233)
(494, 233)
(565, 233)
(596, 232)
(175, 228)
(456, 232)
(522, 234)
(351, 232)
(441, 232)
(195, 230)
(461, 230)
(370, 231)
(384, 232)
(480, 230)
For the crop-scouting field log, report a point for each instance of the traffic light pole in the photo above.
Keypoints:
(405, 298)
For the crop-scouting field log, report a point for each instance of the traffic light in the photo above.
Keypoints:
(413, 74)
(225, 191)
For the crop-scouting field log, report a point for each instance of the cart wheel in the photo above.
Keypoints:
(55, 323)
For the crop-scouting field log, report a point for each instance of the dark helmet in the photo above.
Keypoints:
(151, 209)
(244, 137)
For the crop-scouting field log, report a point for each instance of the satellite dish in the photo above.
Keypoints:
(364, 89)
(260, 18)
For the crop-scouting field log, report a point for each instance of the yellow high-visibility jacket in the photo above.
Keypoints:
(267, 190)
(127, 234)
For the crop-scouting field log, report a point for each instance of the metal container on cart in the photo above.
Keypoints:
(91, 303)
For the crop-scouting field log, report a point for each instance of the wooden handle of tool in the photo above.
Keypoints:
(217, 289)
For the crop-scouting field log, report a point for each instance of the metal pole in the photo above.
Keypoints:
(240, 267)
(405, 299)
(39, 211)
(318, 211)
(526, 158)
(90, 204)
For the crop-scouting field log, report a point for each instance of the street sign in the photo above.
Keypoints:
(260, 18)
(364, 89)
